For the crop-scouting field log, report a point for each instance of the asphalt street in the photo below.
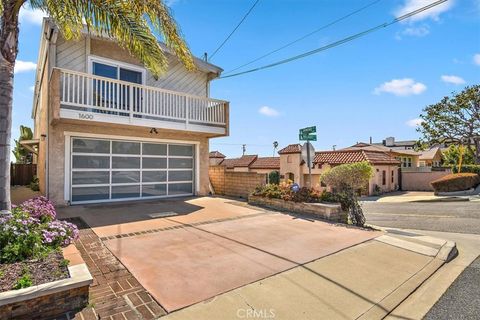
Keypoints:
(461, 301)
(458, 216)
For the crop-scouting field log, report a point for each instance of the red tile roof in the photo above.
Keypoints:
(291, 148)
(243, 161)
(266, 163)
(351, 156)
(216, 154)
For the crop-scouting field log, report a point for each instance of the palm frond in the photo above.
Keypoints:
(122, 20)
(163, 22)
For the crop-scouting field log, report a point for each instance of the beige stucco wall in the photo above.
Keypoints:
(290, 163)
(377, 178)
(420, 181)
(57, 150)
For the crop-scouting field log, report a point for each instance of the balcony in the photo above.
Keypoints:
(89, 97)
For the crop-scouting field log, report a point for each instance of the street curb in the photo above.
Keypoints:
(448, 251)
(384, 307)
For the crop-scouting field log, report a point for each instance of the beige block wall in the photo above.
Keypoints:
(57, 150)
(234, 184)
(420, 181)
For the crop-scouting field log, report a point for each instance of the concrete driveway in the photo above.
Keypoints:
(199, 256)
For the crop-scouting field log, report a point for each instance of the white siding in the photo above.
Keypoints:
(71, 54)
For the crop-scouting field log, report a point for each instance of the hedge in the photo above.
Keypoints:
(456, 182)
(471, 168)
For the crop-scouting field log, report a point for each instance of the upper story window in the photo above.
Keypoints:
(406, 162)
(116, 70)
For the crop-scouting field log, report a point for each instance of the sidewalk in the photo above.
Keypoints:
(366, 281)
(414, 196)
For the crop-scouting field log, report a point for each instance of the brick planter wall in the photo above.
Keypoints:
(47, 306)
(234, 184)
(52, 299)
(327, 211)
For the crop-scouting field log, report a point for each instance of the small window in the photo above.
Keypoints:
(384, 177)
(393, 176)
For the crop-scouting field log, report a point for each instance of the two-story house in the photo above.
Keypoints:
(107, 130)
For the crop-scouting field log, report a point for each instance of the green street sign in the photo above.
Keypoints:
(307, 137)
(308, 130)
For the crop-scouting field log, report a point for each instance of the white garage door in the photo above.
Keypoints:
(110, 170)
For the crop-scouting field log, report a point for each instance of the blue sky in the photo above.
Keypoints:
(374, 86)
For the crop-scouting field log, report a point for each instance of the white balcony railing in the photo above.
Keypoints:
(91, 93)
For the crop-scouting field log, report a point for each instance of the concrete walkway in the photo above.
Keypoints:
(366, 281)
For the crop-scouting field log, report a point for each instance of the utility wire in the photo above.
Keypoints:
(342, 41)
(307, 35)
(235, 29)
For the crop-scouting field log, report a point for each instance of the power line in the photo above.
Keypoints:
(235, 29)
(307, 35)
(340, 42)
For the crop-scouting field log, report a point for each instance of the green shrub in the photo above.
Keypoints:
(269, 191)
(24, 281)
(456, 182)
(468, 168)
(34, 184)
(274, 177)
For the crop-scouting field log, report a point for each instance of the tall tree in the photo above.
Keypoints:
(454, 119)
(133, 23)
(21, 154)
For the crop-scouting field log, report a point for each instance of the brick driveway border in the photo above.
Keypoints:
(115, 293)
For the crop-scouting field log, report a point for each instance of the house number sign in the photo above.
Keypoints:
(85, 116)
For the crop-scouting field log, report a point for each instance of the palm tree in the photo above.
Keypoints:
(21, 154)
(133, 23)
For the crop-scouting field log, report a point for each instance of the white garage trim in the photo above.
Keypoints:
(68, 151)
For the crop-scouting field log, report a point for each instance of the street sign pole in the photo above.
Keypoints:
(309, 166)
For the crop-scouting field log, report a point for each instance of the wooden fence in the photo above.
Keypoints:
(22, 174)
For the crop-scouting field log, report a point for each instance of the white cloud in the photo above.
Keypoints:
(401, 87)
(24, 66)
(268, 111)
(421, 31)
(432, 13)
(453, 80)
(414, 122)
(476, 59)
(33, 16)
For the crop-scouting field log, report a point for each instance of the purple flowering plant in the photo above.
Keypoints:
(30, 231)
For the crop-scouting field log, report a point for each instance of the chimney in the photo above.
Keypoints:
(370, 139)
(389, 142)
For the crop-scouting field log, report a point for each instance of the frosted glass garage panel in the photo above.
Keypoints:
(119, 192)
(154, 176)
(180, 175)
(180, 163)
(154, 163)
(90, 177)
(90, 162)
(123, 147)
(180, 150)
(180, 188)
(154, 149)
(91, 146)
(125, 176)
(154, 190)
(90, 193)
(125, 162)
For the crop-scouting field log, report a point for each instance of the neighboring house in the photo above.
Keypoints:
(431, 158)
(215, 157)
(407, 157)
(385, 166)
(398, 145)
(252, 163)
(107, 130)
